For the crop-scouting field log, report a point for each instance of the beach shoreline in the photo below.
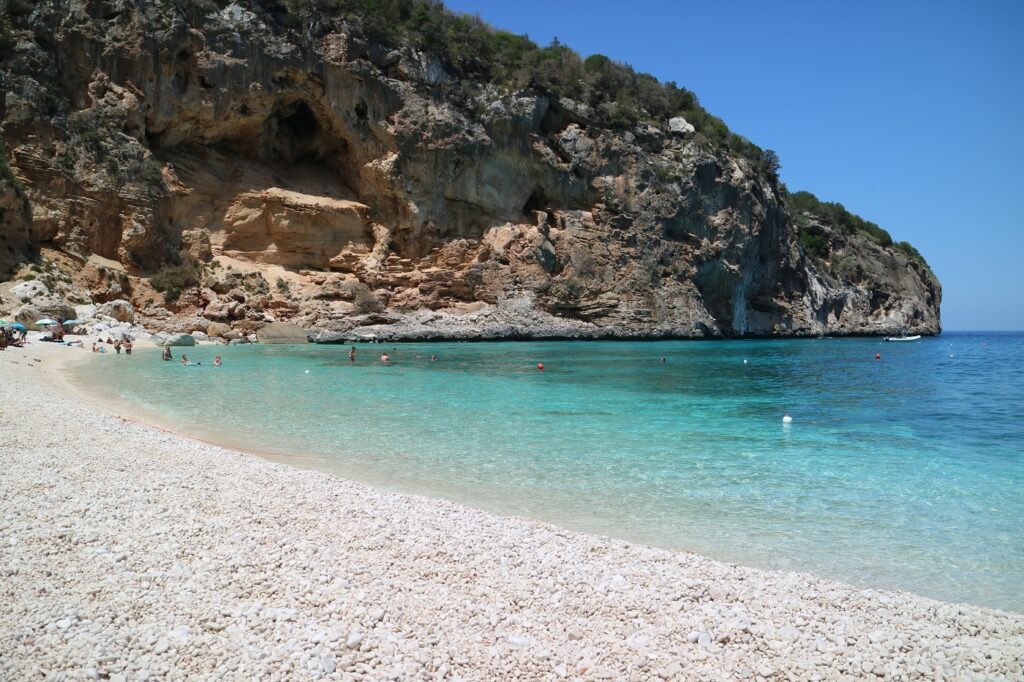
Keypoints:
(128, 549)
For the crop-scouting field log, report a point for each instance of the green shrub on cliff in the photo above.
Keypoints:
(913, 254)
(814, 244)
(174, 278)
(836, 214)
(6, 174)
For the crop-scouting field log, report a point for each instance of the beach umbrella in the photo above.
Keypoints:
(19, 326)
(45, 322)
(4, 323)
(74, 322)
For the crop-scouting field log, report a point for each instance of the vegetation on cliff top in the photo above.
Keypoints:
(804, 205)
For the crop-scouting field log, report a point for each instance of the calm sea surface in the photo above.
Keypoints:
(905, 472)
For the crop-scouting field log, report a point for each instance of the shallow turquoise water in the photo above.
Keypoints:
(902, 473)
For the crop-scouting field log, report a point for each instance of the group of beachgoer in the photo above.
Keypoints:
(11, 337)
(384, 357)
(119, 345)
(185, 362)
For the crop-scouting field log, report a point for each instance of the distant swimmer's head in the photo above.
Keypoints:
(540, 366)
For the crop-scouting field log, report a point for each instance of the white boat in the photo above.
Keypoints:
(916, 337)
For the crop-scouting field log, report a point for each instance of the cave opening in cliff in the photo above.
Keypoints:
(554, 121)
(538, 201)
(297, 135)
(300, 123)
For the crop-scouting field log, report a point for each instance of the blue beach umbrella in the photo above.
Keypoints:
(45, 322)
(74, 322)
(19, 326)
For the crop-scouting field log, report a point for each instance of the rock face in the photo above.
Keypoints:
(122, 311)
(178, 340)
(282, 332)
(316, 178)
(14, 220)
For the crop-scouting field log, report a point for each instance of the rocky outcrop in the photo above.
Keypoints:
(119, 310)
(282, 333)
(316, 178)
(858, 286)
(177, 340)
(14, 219)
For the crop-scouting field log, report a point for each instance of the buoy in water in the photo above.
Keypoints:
(540, 365)
(786, 419)
(878, 356)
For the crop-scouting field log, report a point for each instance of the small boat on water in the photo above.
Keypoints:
(916, 337)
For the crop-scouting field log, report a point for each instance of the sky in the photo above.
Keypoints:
(911, 114)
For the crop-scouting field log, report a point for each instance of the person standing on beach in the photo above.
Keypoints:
(352, 354)
(128, 347)
(117, 347)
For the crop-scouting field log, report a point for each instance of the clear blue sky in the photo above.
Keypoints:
(911, 114)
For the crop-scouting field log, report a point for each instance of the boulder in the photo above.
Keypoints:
(223, 281)
(85, 312)
(680, 126)
(179, 340)
(31, 289)
(221, 310)
(218, 329)
(120, 310)
(197, 243)
(54, 309)
(282, 332)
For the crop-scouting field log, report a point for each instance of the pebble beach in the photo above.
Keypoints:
(131, 553)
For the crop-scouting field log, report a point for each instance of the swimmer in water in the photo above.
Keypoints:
(352, 354)
(433, 358)
(384, 357)
(184, 360)
(216, 361)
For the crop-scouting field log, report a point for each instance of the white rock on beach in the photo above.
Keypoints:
(234, 567)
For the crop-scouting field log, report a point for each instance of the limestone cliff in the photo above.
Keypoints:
(214, 163)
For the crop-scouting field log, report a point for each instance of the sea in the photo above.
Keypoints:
(902, 466)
